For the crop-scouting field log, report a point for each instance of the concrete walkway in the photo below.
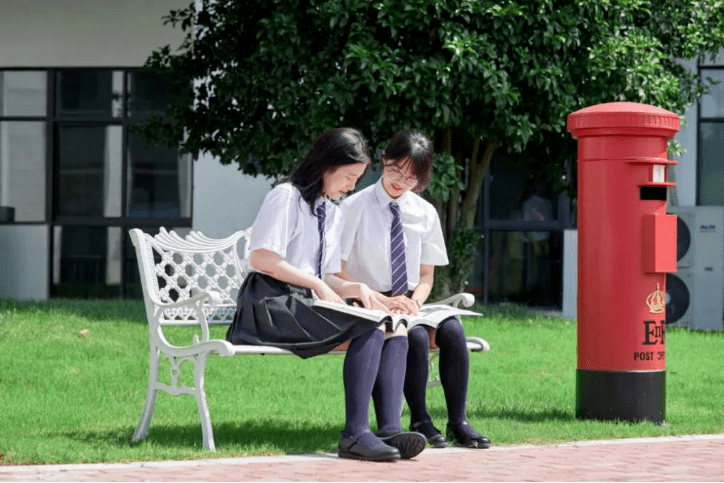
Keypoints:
(686, 458)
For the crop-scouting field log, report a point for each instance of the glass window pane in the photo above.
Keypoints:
(22, 169)
(86, 261)
(89, 170)
(90, 92)
(711, 165)
(159, 181)
(23, 93)
(147, 93)
(513, 196)
(525, 267)
(712, 104)
(718, 59)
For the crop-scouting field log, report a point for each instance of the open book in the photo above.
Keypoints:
(429, 314)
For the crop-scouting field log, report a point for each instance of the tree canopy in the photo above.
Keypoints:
(255, 82)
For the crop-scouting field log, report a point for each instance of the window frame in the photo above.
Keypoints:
(52, 122)
(701, 67)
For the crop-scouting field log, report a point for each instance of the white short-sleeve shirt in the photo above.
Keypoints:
(365, 241)
(286, 226)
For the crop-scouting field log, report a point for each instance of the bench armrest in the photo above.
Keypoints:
(467, 299)
(195, 303)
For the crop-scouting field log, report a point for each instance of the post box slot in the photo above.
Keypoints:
(653, 193)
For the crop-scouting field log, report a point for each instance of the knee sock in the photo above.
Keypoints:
(387, 393)
(359, 373)
(416, 374)
(454, 368)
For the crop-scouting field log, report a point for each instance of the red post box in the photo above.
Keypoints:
(626, 245)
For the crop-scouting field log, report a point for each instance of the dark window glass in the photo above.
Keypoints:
(89, 92)
(86, 261)
(711, 163)
(89, 170)
(525, 267)
(159, 184)
(147, 93)
(712, 104)
(513, 196)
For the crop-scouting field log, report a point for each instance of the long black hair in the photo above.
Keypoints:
(413, 147)
(335, 148)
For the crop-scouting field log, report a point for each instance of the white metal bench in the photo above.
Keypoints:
(194, 281)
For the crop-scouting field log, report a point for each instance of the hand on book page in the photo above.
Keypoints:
(429, 315)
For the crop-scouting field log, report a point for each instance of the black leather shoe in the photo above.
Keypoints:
(433, 435)
(410, 444)
(468, 438)
(353, 448)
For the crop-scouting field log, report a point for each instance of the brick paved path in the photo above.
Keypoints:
(688, 458)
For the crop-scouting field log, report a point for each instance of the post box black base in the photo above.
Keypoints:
(626, 396)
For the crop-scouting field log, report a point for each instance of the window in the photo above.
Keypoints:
(69, 158)
(23, 124)
(711, 139)
(22, 169)
(522, 219)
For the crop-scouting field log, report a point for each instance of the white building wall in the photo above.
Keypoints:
(24, 261)
(225, 200)
(81, 33)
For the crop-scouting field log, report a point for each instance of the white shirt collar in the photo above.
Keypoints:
(385, 199)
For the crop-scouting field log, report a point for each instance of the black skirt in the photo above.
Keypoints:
(274, 313)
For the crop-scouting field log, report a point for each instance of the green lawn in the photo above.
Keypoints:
(73, 380)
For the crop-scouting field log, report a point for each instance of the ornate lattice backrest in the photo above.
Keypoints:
(174, 269)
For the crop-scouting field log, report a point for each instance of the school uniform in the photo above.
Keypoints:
(275, 313)
(370, 246)
(365, 243)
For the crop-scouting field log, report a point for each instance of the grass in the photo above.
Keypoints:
(73, 379)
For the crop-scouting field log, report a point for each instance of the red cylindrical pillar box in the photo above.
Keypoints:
(626, 245)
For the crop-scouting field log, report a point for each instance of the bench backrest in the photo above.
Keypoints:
(174, 269)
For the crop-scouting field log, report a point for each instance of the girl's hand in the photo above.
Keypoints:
(401, 304)
(325, 293)
(367, 296)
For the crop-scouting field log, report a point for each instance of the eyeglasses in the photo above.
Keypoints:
(396, 175)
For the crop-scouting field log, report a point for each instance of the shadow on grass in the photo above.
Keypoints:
(266, 436)
(439, 414)
(524, 415)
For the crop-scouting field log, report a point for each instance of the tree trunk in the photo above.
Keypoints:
(445, 210)
(453, 207)
(478, 170)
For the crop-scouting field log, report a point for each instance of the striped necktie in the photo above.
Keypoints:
(397, 253)
(321, 214)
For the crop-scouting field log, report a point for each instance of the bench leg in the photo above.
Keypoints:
(433, 378)
(200, 393)
(142, 429)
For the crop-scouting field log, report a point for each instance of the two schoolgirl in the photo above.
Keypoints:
(296, 256)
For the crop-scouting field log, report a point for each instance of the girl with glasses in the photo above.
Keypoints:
(392, 242)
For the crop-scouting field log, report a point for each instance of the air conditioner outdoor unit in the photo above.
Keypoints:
(695, 293)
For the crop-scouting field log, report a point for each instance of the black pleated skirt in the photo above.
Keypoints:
(274, 313)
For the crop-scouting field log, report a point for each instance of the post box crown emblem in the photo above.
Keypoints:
(656, 301)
